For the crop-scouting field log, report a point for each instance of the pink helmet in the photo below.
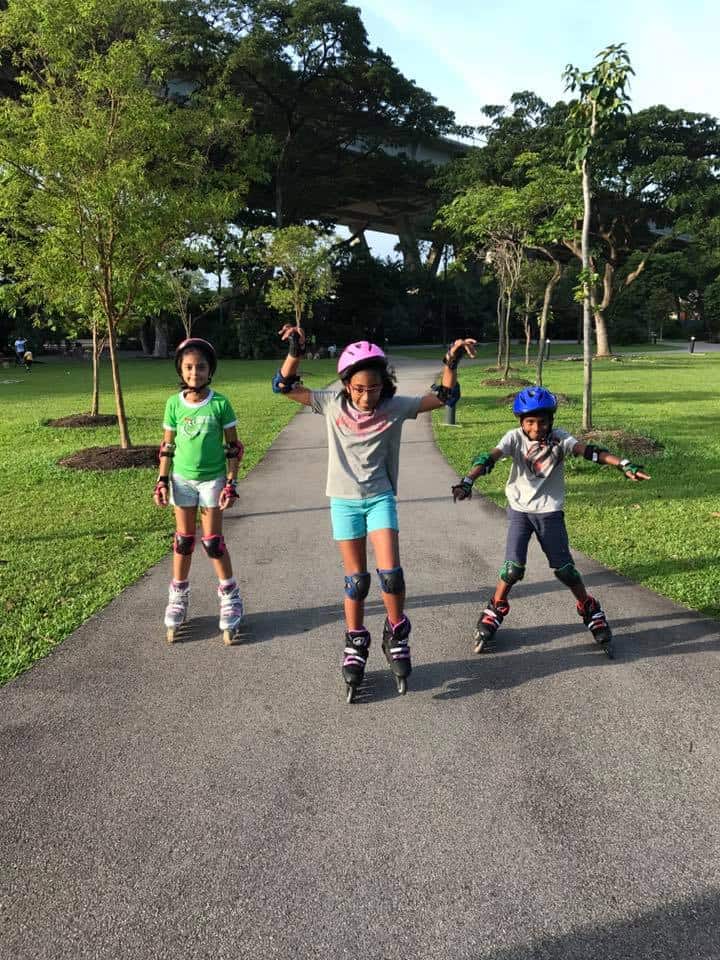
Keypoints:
(357, 352)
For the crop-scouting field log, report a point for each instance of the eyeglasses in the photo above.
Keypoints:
(360, 390)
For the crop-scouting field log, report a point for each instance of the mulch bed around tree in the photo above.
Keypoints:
(84, 420)
(510, 382)
(632, 443)
(111, 458)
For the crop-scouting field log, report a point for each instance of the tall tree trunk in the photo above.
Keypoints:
(508, 307)
(161, 336)
(542, 334)
(95, 402)
(145, 334)
(587, 311)
(501, 338)
(434, 257)
(408, 243)
(117, 387)
(528, 331)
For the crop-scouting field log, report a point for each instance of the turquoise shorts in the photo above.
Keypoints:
(352, 519)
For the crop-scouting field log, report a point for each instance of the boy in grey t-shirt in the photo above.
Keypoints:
(536, 496)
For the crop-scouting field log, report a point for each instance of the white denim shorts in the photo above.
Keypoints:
(195, 493)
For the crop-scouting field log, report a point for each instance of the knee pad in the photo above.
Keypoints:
(568, 574)
(184, 544)
(214, 546)
(357, 586)
(512, 572)
(392, 581)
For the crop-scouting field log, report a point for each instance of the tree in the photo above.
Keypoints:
(103, 171)
(327, 100)
(303, 272)
(602, 97)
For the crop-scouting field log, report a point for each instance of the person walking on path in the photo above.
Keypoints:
(364, 424)
(200, 436)
(20, 348)
(536, 493)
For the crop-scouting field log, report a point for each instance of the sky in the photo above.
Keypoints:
(468, 54)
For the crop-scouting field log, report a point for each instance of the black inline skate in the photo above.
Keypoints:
(397, 651)
(357, 648)
(489, 622)
(595, 620)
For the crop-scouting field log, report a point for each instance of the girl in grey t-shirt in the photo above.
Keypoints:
(536, 496)
(364, 420)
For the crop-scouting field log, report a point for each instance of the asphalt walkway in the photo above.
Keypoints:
(197, 801)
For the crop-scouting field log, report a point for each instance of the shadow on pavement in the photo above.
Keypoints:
(679, 931)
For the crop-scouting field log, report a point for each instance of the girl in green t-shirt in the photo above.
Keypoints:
(200, 435)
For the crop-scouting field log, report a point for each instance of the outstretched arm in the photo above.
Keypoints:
(633, 471)
(482, 465)
(286, 379)
(438, 397)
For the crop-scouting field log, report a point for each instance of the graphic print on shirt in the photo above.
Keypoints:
(542, 456)
(192, 427)
(374, 423)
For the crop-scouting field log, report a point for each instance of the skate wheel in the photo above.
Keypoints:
(480, 642)
(350, 693)
(170, 635)
(402, 685)
(229, 637)
(609, 650)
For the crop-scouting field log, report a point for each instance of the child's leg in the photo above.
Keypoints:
(553, 538)
(357, 580)
(520, 529)
(185, 518)
(214, 543)
(386, 545)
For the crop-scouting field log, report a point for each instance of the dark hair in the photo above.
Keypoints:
(387, 374)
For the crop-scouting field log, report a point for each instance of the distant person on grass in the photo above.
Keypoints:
(200, 436)
(364, 420)
(536, 493)
(20, 348)
(28, 360)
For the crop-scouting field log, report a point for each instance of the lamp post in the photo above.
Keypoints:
(692, 344)
(547, 349)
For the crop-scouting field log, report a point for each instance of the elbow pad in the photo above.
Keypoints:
(282, 384)
(592, 453)
(485, 461)
(447, 395)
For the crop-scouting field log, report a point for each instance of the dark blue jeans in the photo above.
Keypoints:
(550, 530)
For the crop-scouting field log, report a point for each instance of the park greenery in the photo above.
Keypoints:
(170, 168)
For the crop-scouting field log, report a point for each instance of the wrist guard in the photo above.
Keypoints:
(626, 466)
(230, 489)
(451, 360)
(281, 384)
(592, 453)
(296, 347)
(447, 395)
(160, 484)
(234, 450)
(167, 449)
(485, 461)
(462, 490)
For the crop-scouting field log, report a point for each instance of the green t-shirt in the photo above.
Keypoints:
(199, 437)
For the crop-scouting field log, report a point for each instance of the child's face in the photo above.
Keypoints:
(365, 388)
(536, 427)
(195, 369)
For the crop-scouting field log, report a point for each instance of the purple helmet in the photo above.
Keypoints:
(356, 353)
(196, 343)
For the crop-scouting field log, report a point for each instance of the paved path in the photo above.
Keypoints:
(198, 801)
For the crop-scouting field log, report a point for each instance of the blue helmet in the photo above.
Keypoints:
(534, 400)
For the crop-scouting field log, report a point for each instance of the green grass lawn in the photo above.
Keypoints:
(72, 540)
(488, 351)
(664, 533)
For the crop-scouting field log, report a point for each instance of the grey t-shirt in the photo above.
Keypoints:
(537, 477)
(363, 448)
